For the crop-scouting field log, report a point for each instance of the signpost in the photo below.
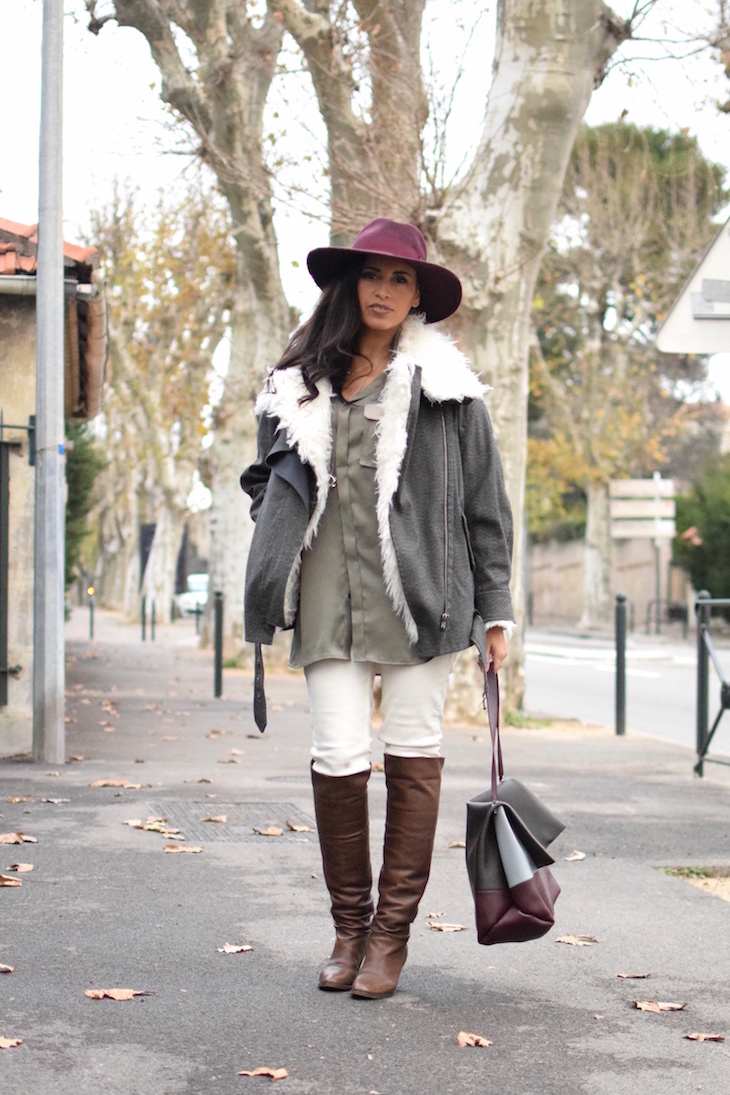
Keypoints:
(644, 509)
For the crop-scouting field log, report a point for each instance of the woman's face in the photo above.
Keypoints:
(387, 289)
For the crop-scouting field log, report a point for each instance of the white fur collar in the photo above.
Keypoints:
(445, 376)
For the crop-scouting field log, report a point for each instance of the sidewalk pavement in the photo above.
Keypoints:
(106, 907)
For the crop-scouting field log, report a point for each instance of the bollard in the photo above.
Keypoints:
(620, 664)
(91, 591)
(218, 643)
(198, 614)
(144, 619)
(704, 613)
(152, 621)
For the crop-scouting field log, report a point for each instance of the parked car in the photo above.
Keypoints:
(196, 595)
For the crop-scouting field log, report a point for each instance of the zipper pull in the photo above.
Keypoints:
(333, 482)
(444, 620)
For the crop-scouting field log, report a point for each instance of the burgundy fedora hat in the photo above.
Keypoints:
(440, 289)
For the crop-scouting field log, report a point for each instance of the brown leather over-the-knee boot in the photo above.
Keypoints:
(414, 786)
(341, 809)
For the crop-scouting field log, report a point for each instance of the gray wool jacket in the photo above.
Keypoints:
(444, 519)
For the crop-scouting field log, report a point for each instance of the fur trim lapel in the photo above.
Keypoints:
(445, 372)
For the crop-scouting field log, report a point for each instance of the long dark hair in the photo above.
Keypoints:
(325, 345)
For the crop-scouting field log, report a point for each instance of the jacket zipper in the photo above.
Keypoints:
(445, 613)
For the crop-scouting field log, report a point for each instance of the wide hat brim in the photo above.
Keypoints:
(440, 290)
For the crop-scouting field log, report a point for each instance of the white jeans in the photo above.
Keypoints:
(341, 703)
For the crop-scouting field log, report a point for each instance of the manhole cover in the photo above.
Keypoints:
(242, 819)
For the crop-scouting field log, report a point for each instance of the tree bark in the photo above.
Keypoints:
(597, 560)
(493, 228)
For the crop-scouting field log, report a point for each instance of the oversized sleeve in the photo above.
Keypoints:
(487, 513)
(255, 477)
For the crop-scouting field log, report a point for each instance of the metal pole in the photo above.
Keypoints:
(620, 664)
(152, 621)
(218, 643)
(144, 619)
(658, 583)
(49, 744)
(703, 678)
(91, 618)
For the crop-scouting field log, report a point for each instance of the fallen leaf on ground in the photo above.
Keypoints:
(17, 838)
(215, 732)
(273, 1073)
(273, 830)
(116, 994)
(168, 737)
(6, 969)
(705, 1037)
(574, 857)
(597, 1016)
(578, 940)
(6, 880)
(378, 767)
(17, 798)
(457, 844)
(76, 756)
(229, 760)
(238, 752)
(299, 828)
(154, 825)
(203, 780)
(55, 801)
(466, 1039)
(8, 1043)
(116, 783)
(231, 948)
(435, 915)
(221, 819)
(185, 848)
(633, 976)
(442, 927)
(21, 868)
(53, 774)
(657, 1006)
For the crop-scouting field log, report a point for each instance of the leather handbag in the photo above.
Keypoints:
(508, 830)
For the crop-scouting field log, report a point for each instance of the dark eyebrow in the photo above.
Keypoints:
(376, 266)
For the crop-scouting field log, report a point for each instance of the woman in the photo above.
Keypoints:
(383, 537)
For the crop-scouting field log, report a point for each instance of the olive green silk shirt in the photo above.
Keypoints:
(344, 609)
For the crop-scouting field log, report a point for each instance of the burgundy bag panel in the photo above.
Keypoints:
(515, 916)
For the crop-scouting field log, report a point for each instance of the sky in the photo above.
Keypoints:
(117, 129)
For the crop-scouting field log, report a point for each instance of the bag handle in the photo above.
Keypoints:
(491, 702)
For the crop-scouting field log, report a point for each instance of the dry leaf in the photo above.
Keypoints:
(273, 830)
(465, 1039)
(116, 994)
(633, 976)
(457, 844)
(238, 752)
(76, 756)
(705, 1037)
(229, 760)
(55, 801)
(53, 774)
(17, 798)
(214, 733)
(221, 819)
(378, 767)
(154, 825)
(273, 1073)
(299, 828)
(168, 737)
(8, 1043)
(578, 940)
(574, 857)
(231, 948)
(203, 780)
(657, 1006)
(6, 969)
(442, 927)
(116, 783)
(21, 868)
(435, 915)
(6, 880)
(185, 848)
(17, 838)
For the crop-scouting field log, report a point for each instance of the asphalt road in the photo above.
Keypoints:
(571, 677)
